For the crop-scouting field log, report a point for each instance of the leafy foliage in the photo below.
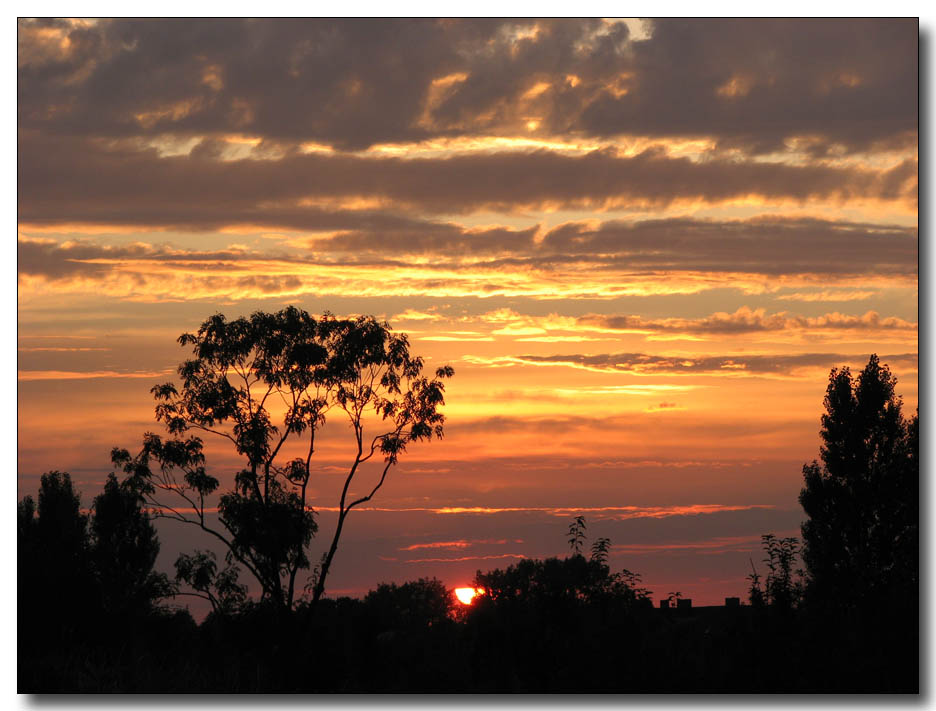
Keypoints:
(577, 534)
(783, 589)
(599, 550)
(258, 383)
(221, 588)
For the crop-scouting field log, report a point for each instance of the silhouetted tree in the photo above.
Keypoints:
(124, 548)
(307, 368)
(98, 563)
(53, 554)
(62, 528)
(862, 535)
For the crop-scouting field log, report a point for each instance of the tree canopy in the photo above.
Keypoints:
(124, 550)
(258, 383)
(861, 538)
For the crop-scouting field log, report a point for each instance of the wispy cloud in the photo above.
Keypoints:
(81, 375)
(618, 512)
(460, 543)
(414, 315)
(567, 263)
(436, 544)
(462, 559)
(456, 338)
(646, 364)
(58, 349)
(828, 296)
(746, 321)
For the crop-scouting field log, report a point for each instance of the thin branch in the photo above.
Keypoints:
(357, 461)
(364, 499)
(195, 425)
(177, 516)
(210, 598)
(265, 396)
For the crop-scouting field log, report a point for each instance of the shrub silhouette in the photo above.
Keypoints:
(782, 589)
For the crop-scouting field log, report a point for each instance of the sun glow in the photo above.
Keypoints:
(467, 595)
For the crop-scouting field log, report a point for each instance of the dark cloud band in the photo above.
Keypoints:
(351, 83)
(62, 181)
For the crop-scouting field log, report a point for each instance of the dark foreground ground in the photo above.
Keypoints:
(402, 640)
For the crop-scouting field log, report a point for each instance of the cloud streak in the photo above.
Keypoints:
(617, 512)
(572, 260)
(747, 321)
(63, 182)
(735, 365)
(86, 375)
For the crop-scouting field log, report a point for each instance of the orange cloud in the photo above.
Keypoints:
(78, 375)
(436, 544)
(739, 365)
(464, 558)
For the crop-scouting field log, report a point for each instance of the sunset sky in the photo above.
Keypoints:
(642, 245)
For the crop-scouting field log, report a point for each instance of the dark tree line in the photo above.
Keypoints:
(95, 616)
(106, 556)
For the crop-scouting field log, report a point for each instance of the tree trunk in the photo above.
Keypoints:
(323, 573)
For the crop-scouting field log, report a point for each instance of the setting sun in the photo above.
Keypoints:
(467, 595)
